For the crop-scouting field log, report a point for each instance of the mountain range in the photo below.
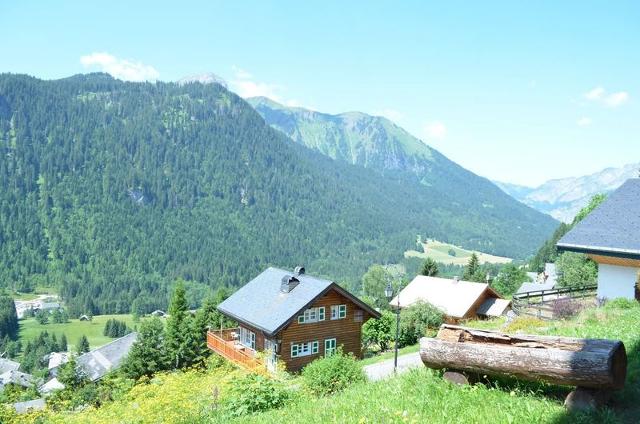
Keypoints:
(563, 198)
(113, 190)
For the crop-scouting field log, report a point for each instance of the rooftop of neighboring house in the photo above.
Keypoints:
(454, 297)
(100, 361)
(611, 229)
(18, 378)
(8, 365)
(275, 296)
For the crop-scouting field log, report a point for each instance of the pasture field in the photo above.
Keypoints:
(74, 329)
(440, 252)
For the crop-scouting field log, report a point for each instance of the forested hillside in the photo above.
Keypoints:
(113, 190)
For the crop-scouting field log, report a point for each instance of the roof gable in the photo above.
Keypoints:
(263, 305)
(612, 228)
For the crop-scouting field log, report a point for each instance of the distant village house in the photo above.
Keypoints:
(458, 299)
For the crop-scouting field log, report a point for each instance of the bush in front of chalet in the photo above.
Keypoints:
(254, 393)
(565, 308)
(379, 331)
(416, 320)
(332, 374)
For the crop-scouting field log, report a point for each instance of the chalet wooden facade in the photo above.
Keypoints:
(293, 318)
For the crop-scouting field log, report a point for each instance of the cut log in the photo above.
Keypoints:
(593, 363)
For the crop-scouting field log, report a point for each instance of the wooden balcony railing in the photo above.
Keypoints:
(223, 343)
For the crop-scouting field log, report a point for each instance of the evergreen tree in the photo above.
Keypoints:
(42, 317)
(472, 268)
(71, 375)
(429, 268)
(147, 353)
(177, 328)
(8, 318)
(83, 345)
(63, 343)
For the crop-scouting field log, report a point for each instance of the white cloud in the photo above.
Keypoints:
(245, 86)
(617, 99)
(120, 68)
(584, 122)
(595, 94)
(391, 114)
(600, 95)
(435, 129)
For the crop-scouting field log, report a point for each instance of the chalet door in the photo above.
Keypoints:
(270, 354)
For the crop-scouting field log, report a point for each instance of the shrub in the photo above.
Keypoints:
(332, 374)
(253, 393)
(416, 320)
(379, 331)
(523, 323)
(621, 303)
(565, 308)
(451, 252)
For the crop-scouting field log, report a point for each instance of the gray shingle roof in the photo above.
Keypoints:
(100, 361)
(30, 405)
(18, 378)
(261, 304)
(613, 228)
(8, 365)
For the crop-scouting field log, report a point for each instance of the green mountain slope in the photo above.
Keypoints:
(375, 142)
(112, 190)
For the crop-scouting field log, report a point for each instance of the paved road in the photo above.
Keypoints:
(384, 368)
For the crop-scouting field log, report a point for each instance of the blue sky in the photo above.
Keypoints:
(516, 91)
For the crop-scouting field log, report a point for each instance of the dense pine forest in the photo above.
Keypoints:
(111, 191)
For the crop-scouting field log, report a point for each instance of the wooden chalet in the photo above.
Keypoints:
(293, 318)
(457, 299)
(610, 235)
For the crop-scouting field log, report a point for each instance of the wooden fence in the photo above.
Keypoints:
(539, 303)
(223, 343)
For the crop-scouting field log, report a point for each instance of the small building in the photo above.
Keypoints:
(100, 361)
(56, 359)
(158, 313)
(456, 298)
(610, 235)
(29, 406)
(84, 318)
(293, 317)
(17, 378)
(8, 365)
(51, 386)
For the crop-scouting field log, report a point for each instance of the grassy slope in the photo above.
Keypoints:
(420, 396)
(439, 252)
(74, 329)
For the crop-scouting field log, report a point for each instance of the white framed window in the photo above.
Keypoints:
(312, 315)
(329, 347)
(304, 349)
(248, 338)
(338, 311)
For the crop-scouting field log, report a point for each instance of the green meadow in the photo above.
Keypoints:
(74, 329)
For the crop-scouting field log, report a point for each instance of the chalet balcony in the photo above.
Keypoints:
(226, 344)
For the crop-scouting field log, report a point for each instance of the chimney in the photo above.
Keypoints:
(456, 279)
(299, 270)
(288, 283)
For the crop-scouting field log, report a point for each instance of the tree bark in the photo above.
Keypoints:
(593, 363)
